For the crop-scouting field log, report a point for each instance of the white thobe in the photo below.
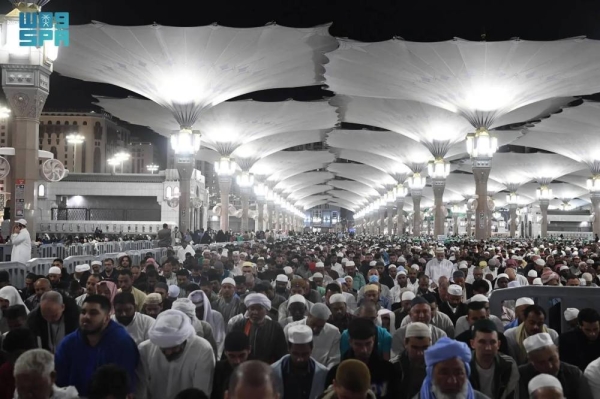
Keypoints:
(592, 374)
(181, 253)
(326, 345)
(139, 326)
(21, 246)
(436, 269)
(161, 379)
(397, 292)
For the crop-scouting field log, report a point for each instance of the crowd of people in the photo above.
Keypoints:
(307, 317)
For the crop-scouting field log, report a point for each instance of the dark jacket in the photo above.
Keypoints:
(461, 310)
(407, 371)
(39, 326)
(223, 371)
(502, 373)
(267, 341)
(575, 349)
(571, 378)
(385, 381)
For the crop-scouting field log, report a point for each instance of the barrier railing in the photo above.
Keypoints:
(570, 297)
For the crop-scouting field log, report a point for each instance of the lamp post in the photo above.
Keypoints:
(401, 192)
(416, 183)
(26, 85)
(113, 162)
(152, 168)
(225, 169)
(122, 157)
(185, 145)
(75, 139)
(245, 181)
(481, 147)
(593, 185)
(544, 195)
(438, 171)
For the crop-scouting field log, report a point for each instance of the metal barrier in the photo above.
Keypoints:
(40, 266)
(570, 297)
(5, 252)
(16, 271)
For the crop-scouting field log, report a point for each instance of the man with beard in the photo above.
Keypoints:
(174, 358)
(340, 317)
(302, 376)
(236, 351)
(97, 342)
(228, 304)
(410, 365)
(267, 337)
(153, 305)
(448, 372)
(136, 324)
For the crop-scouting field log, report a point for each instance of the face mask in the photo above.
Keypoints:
(374, 279)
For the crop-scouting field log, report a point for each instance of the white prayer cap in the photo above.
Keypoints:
(532, 273)
(320, 264)
(401, 273)
(416, 267)
(248, 264)
(320, 311)
(344, 260)
(183, 305)
(544, 381)
(318, 275)
(463, 265)
(540, 262)
(257, 299)
(96, 262)
(392, 266)
(120, 255)
(524, 301)
(22, 221)
(300, 334)
(537, 281)
(197, 297)
(337, 298)
(587, 277)
(537, 341)
(153, 299)
(479, 298)
(288, 270)
(407, 296)
(563, 267)
(590, 261)
(282, 278)
(503, 275)
(439, 250)
(82, 268)
(296, 299)
(170, 329)
(339, 255)
(174, 291)
(260, 258)
(418, 330)
(54, 270)
(228, 280)
(401, 259)
(243, 254)
(372, 263)
(452, 258)
(571, 314)
(350, 263)
(455, 289)
(235, 253)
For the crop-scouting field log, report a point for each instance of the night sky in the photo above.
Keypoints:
(365, 20)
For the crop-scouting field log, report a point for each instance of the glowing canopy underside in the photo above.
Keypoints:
(187, 70)
(482, 81)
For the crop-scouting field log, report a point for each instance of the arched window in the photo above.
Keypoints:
(176, 192)
(97, 131)
(84, 123)
(169, 192)
(67, 123)
(54, 152)
(41, 190)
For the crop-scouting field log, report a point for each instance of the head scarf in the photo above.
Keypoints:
(112, 288)
(10, 294)
(208, 316)
(171, 328)
(445, 349)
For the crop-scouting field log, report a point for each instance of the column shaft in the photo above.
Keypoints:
(481, 176)
(400, 216)
(260, 208)
(225, 187)
(469, 223)
(513, 220)
(245, 196)
(438, 195)
(544, 208)
(390, 216)
(381, 219)
(417, 215)
(596, 210)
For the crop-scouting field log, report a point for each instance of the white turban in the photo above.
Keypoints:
(171, 328)
(337, 298)
(186, 306)
(543, 381)
(228, 280)
(257, 299)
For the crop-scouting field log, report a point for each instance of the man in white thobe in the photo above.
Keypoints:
(137, 324)
(174, 359)
(439, 266)
(326, 337)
